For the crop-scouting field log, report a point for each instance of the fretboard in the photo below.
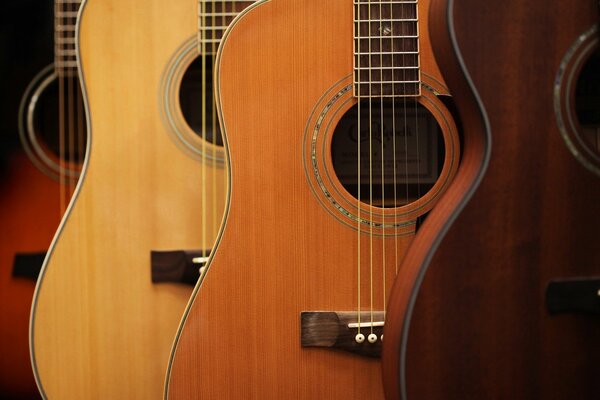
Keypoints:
(386, 48)
(214, 16)
(65, 19)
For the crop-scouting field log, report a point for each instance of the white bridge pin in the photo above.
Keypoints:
(359, 338)
(372, 338)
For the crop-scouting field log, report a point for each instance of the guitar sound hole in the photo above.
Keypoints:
(66, 143)
(587, 101)
(418, 152)
(190, 98)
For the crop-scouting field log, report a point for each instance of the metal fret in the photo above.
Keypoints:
(67, 14)
(220, 14)
(384, 2)
(210, 41)
(385, 82)
(214, 16)
(376, 53)
(384, 68)
(386, 37)
(64, 28)
(65, 54)
(212, 28)
(64, 40)
(385, 20)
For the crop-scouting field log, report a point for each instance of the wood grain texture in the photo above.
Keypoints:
(479, 327)
(30, 214)
(281, 252)
(100, 328)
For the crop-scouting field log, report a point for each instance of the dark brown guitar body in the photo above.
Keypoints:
(480, 327)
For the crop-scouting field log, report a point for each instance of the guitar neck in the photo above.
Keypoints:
(214, 16)
(386, 48)
(65, 21)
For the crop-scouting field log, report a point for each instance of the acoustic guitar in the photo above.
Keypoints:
(42, 151)
(340, 138)
(117, 277)
(499, 295)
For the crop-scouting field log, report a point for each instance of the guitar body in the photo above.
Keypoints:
(282, 250)
(28, 225)
(481, 326)
(100, 328)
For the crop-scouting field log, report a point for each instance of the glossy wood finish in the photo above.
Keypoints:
(100, 328)
(28, 225)
(281, 252)
(479, 328)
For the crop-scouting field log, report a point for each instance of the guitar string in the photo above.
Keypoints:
(381, 123)
(71, 131)
(80, 115)
(358, 89)
(69, 138)
(370, 167)
(72, 114)
(213, 45)
(416, 101)
(404, 101)
(202, 44)
(393, 33)
(61, 113)
(216, 129)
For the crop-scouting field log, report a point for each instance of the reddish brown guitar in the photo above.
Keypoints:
(499, 296)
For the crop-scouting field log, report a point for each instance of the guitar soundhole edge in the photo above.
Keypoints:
(413, 152)
(191, 100)
(587, 101)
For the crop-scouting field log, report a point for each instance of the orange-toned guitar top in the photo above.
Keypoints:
(292, 304)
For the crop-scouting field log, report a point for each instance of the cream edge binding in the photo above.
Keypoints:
(67, 213)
